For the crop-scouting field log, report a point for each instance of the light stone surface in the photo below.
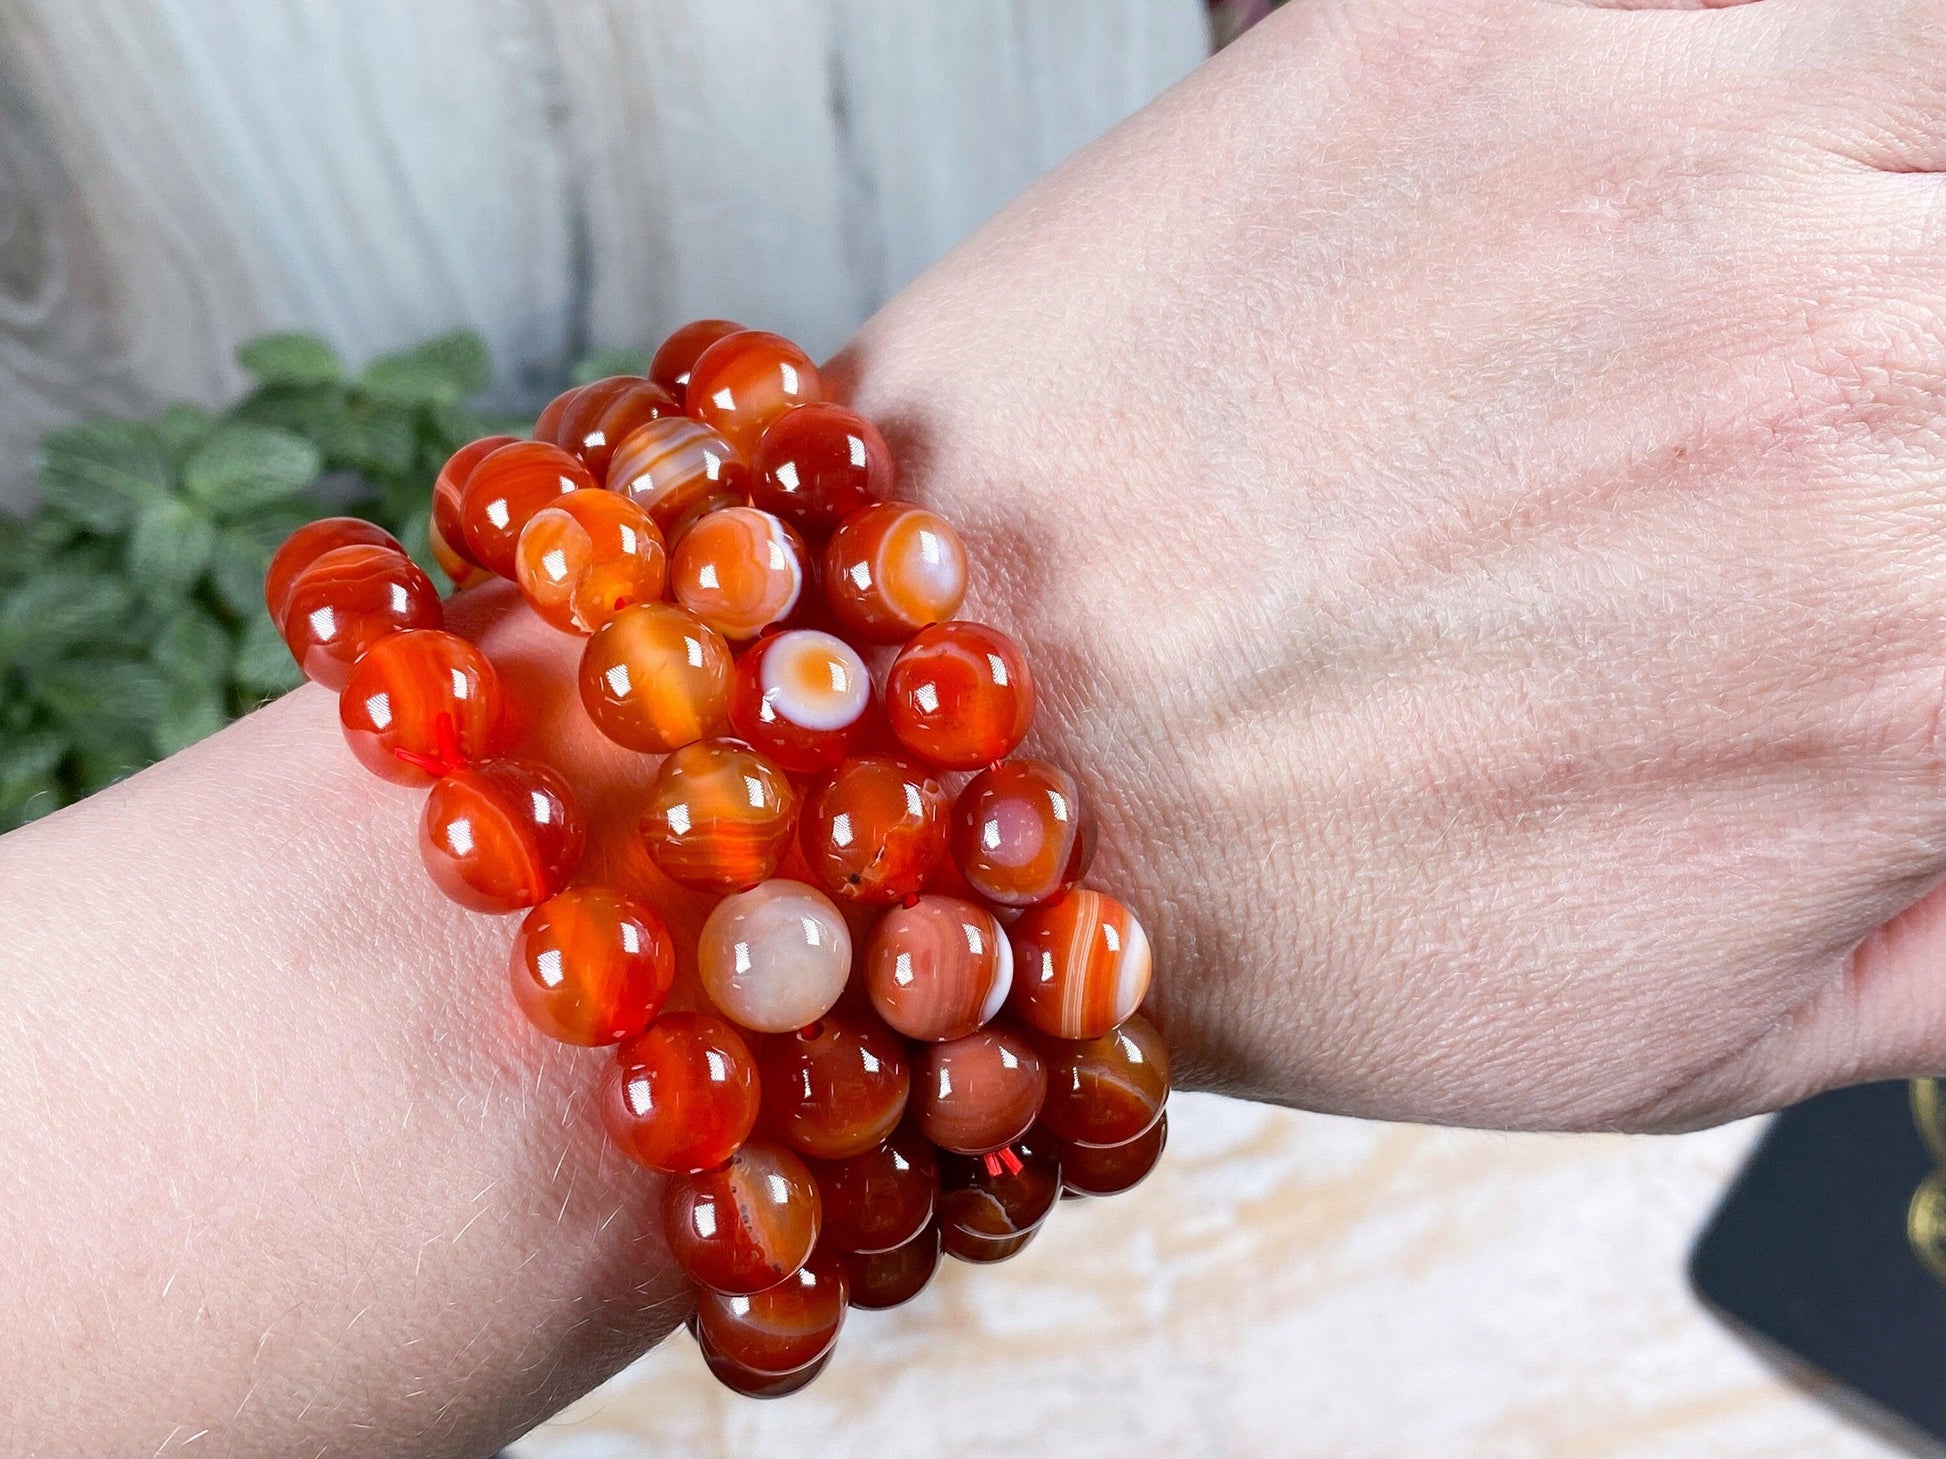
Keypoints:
(1293, 1285)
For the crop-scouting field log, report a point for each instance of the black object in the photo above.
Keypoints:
(1810, 1252)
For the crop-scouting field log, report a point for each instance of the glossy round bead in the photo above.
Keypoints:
(1107, 1090)
(547, 427)
(447, 528)
(310, 542)
(1021, 832)
(587, 557)
(802, 697)
(603, 414)
(501, 835)
(1081, 965)
(420, 704)
(739, 570)
(655, 678)
(347, 600)
(581, 407)
(977, 1093)
(504, 492)
(591, 966)
(873, 831)
(746, 1224)
(776, 957)
(820, 463)
(745, 381)
(959, 695)
(880, 1199)
(990, 1206)
(748, 1383)
(836, 1087)
(781, 1329)
(676, 470)
(883, 1279)
(1108, 1170)
(718, 817)
(892, 570)
(939, 968)
(681, 1096)
(679, 352)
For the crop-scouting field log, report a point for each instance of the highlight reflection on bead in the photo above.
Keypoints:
(677, 470)
(893, 569)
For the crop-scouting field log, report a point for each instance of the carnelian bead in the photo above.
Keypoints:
(347, 600)
(836, 1087)
(676, 470)
(746, 1224)
(501, 835)
(1081, 965)
(802, 697)
(990, 1206)
(1108, 1090)
(820, 463)
(880, 1199)
(421, 704)
(745, 381)
(591, 966)
(310, 542)
(601, 415)
(1108, 1170)
(1022, 832)
(892, 570)
(447, 529)
(776, 957)
(655, 677)
(781, 1329)
(547, 426)
(585, 558)
(748, 1384)
(873, 831)
(677, 354)
(681, 1096)
(938, 968)
(739, 570)
(977, 1093)
(959, 695)
(718, 817)
(882, 1279)
(504, 492)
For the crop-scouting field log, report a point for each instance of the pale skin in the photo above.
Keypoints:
(1468, 477)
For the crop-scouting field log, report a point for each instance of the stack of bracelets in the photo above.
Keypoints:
(824, 1136)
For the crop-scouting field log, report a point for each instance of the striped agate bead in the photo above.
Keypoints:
(676, 470)
(802, 697)
(939, 968)
(739, 570)
(1081, 965)
(978, 1093)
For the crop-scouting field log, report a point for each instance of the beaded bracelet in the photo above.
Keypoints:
(827, 1124)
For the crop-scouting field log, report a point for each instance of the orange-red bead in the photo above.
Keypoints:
(873, 831)
(836, 1087)
(881, 1199)
(893, 569)
(682, 1096)
(739, 570)
(782, 1329)
(419, 705)
(883, 1279)
(677, 354)
(603, 414)
(505, 490)
(1108, 1090)
(959, 695)
(746, 1224)
(991, 1206)
(747, 1383)
(501, 835)
(978, 1093)
(591, 966)
(938, 968)
(1081, 965)
(547, 426)
(677, 470)
(1108, 1170)
(718, 816)
(586, 557)
(447, 529)
(745, 381)
(310, 542)
(803, 697)
(820, 463)
(655, 677)
(1022, 832)
(347, 600)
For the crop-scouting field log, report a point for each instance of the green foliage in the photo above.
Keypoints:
(131, 601)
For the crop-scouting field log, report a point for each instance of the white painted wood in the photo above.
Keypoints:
(176, 175)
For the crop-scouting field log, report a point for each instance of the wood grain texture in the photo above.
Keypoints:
(1292, 1287)
(176, 175)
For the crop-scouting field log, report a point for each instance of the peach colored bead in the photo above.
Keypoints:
(591, 966)
(677, 354)
(746, 1224)
(802, 696)
(677, 470)
(938, 968)
(310, 542)
(959, 695)
(776, 957)
(893, 569)
(501, 835)
(739, 570)
(446, 529)
(347, 600)
(681, 1096)
(504, 492)
(978, 1093)
(1022, 832)
(399, 692)
(718, 816)
(587, 557)
(745, 381)
(655, 678)
(1081, 965)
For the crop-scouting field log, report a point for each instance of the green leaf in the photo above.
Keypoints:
(29, 800)
(243, 467)
(452, 427)
(240, 557)
(55, 612)
(194, 712)
(439, 372)
(182, 429)
(382, 437)
(263, 665)
(603, 363)
(107, 706)
(32, 756)
(290, 358)
(169, 548)
(193, 648)
(99, 473)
